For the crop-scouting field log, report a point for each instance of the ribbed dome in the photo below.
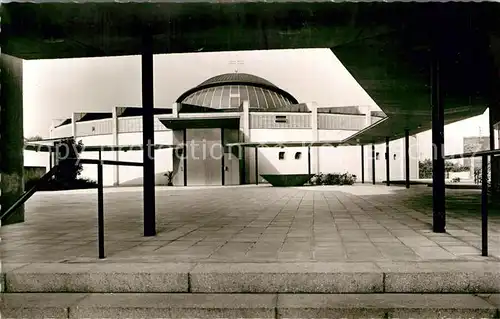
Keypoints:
(236, 78)
(230, 90)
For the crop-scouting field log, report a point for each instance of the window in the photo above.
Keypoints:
(280, 119)
(281, 155)
(394, 156)
(298, 155)
(377, 156)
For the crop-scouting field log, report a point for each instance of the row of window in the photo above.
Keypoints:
(377, 156)
(281, 155)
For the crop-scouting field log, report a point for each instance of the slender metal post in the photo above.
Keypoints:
(407, 158)
(184, 158)
(438, 171)
(493, 160)
(50, 159)
(362, 164)
(223, 165)
(256, 165)
(484, 206)
(100, 209)
(148, 134)
(387, 167)
(373, 164)
(309, 160)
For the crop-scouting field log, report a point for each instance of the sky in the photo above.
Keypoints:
(53, 89)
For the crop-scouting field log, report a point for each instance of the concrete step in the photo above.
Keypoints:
(362, 277)
(154, 305)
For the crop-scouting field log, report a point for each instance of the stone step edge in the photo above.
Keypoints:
(155, 305)
(252, 278)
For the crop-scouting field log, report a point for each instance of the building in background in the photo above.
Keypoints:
(235, 108)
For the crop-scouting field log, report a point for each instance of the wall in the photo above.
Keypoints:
(268, 157)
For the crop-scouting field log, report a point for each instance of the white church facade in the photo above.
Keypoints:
(235, 108)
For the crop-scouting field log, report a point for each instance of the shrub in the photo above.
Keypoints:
(333, 179)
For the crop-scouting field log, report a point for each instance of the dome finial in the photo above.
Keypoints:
(236, 62)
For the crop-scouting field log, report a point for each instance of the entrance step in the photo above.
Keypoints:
(366, 277)
(154, 305)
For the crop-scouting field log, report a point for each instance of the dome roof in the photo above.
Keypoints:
(229, 90)
(236, 78)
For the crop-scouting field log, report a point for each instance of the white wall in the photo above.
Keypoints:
(90, 170)
(268, 157)
(32, 158)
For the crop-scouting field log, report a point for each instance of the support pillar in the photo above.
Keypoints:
(493, 159)
(11, 137)
(362, 164)
(184, 156)
(407, 158)
(373, 164)
(223, 165)
(309, 160)
(116, 153)
(148, 134)
(256, 165)
(387, 165)
(438, 171)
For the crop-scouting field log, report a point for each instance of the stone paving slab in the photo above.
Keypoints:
(175, 306)
(38, 305)
(438, 277)
(158, 305)
(349, 277)
(362, 223)
(384, 306)
(92, 277)
(291, 277)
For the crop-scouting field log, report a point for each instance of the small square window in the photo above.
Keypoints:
(394, 156)
(377, 156)
(298, 155)
(281, 155)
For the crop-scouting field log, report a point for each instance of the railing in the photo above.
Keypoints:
(484, 190)
(24, 197)
(100, 196)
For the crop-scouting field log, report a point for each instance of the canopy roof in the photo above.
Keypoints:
(388, 48)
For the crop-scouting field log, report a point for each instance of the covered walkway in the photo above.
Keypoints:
(253, 224)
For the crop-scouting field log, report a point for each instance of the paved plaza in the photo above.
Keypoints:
(252, 224)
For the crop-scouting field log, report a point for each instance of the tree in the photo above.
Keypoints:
(425, 168)
(68, 152)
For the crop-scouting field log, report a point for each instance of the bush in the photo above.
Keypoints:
(333, 179)
(67, 175)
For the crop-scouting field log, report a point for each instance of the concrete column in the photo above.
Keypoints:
(11, 136)
(175, 109)
(368, 116)
(256, 166)
(223, 164)
(73, 124)
(438, 171)
(148, 134)
(407, 159)
(362, 164)
(116, 142)
(245, 125)
(313, 106)
(373, 164)
(387, 161)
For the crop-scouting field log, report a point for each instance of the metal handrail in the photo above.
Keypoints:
(24, 197)
(495, 152)
(484, 190)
